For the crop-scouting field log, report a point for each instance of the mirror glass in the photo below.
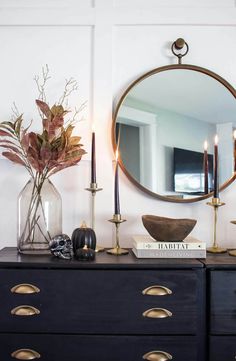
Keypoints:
(164, 119)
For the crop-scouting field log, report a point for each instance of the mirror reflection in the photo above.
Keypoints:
(164, 121)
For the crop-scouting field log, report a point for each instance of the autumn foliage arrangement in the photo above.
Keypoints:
(42, 154)
(45, 153)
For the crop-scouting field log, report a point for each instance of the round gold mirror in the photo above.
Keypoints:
(163, 120)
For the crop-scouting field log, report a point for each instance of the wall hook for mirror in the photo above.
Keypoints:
(176, 48)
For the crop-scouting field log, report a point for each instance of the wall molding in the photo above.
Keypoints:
(72, 12)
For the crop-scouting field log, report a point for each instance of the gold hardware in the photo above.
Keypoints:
(157, 313)
(157, 291)
(179, 45)
(25, 354)
(157, 356)
(232, 252)
(94, 189)
(25, 288)
(117, 250)
(25, 310)
(215, 203)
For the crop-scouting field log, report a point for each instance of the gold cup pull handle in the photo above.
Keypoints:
(25, 354)
(157, 356)
(25, 288)
(25, 310)
(157, 290)
(157, 313)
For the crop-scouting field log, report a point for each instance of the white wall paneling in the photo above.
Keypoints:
(106, 44)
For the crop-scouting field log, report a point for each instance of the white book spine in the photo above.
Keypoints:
(169, 246)
(140, 253)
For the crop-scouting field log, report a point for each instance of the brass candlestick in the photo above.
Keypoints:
(232, 252)
(94, 189)
(117, 250)
(215, 203)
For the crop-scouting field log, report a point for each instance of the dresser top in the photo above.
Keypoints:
(10, 258)
(220, 261)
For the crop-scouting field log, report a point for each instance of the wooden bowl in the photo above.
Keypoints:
(164, 229)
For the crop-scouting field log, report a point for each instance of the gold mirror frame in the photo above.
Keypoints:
(140, 79)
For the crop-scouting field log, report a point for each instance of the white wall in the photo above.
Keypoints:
(106, 44)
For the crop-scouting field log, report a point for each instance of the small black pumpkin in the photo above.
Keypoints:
(83, 236)
(85, 254)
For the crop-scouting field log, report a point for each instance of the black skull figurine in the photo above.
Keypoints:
(61, 246)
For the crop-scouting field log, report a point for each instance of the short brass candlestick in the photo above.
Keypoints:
(232, 252)
(117, 250)
(94, 189)
(215, 203)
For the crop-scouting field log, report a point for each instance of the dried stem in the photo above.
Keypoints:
(15, 112)
(70, 86)
(41, 85)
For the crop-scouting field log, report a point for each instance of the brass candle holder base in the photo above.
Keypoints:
(216, 249)
(232, 252)
(99, 249)
(215, 203)
(94, 189)
(117, 250)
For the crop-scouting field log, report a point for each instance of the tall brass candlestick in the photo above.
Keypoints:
(117, 220)
(94, 189)
(117, 250)
(215, 203)
(93, 185)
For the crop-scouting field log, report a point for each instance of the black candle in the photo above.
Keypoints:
(216, 185)
(116, 187)
(234, 150)
(93, 160)
(206, 168)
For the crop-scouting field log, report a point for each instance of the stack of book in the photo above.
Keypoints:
(146, 247)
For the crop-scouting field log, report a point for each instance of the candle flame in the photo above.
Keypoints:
(205, 145)
(117, 155)
(216, 139)
(234, 134)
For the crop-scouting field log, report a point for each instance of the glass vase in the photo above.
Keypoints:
(39, 216)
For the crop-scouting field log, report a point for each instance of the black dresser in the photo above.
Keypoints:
(113, 309)
(221, 314)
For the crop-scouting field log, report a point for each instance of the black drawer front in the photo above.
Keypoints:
(87, 301)
(222, 348)
(223, 302)
(98, 348)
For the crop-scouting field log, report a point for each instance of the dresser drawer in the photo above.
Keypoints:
(223, 348)
(98, 348)
(101, 301)
(223, 302)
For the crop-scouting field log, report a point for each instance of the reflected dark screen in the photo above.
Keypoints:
(189, 171)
